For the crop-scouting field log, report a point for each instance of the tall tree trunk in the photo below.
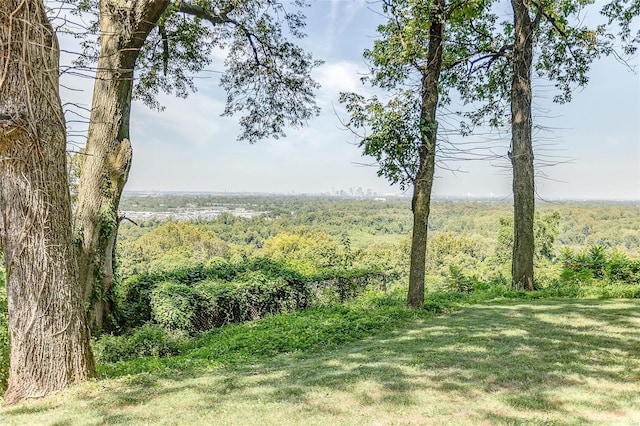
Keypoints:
(521, 153)
(124, 28)
(423, 184)
(420, 206)
(49, 337)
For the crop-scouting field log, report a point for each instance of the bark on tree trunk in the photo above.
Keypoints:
(423, 184)
(49, 337)
(420, 205)
(124, 29)
(521, 153)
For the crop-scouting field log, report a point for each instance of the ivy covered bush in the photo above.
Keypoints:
(157, 313)
(196, 299)
(208, 304)
(173, 306)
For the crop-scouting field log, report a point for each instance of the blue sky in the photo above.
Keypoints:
(189, 147)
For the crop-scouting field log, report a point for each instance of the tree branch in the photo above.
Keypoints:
(219, 18)
(536, 21)
(551, 19)
(215, 18)
(400, 29)
(491, 56)
(554, 23)
(165, 48)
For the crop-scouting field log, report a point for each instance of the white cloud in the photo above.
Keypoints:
(343, 13)
(342, 76)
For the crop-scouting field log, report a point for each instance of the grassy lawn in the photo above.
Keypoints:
(517, 362)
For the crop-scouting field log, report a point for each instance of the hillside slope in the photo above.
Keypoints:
(534, 362)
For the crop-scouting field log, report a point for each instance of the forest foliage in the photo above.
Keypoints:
(471, 240)
(312, 232)
(179, 278)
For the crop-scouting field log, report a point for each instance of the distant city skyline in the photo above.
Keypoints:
(189, 147)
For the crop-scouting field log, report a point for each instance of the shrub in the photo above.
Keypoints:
(622, 291)
(621, 268)
(196, 299)
(173, 306)
(329, 286)
(457, 281)
(148, 340)
(251, 296)
(134, 295)
(190, 308)
(267, 295)
(218, 304)
(597, 262)
(577, 277)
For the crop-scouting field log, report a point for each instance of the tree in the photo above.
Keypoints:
(404, 130)
(546, 229)
(416, 45)
(521, 152)
(307, 248)
(49, 337)
(169, 246)
(267, 77)
(565, 47)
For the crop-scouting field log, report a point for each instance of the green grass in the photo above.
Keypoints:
(507, 362)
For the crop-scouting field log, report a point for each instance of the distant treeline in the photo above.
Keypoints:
(364, 221)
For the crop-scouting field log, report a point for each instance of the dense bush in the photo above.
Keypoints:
(620, 268)
(457, 281)
(339, 285)
(253, 295)
(597, 262)
(148, 340)
(173, 305)
(201, 298)
(134, 294)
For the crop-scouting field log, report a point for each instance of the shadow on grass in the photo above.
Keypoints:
(521, 354)
(517, 355)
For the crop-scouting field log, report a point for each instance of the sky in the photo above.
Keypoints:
(190, 147)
